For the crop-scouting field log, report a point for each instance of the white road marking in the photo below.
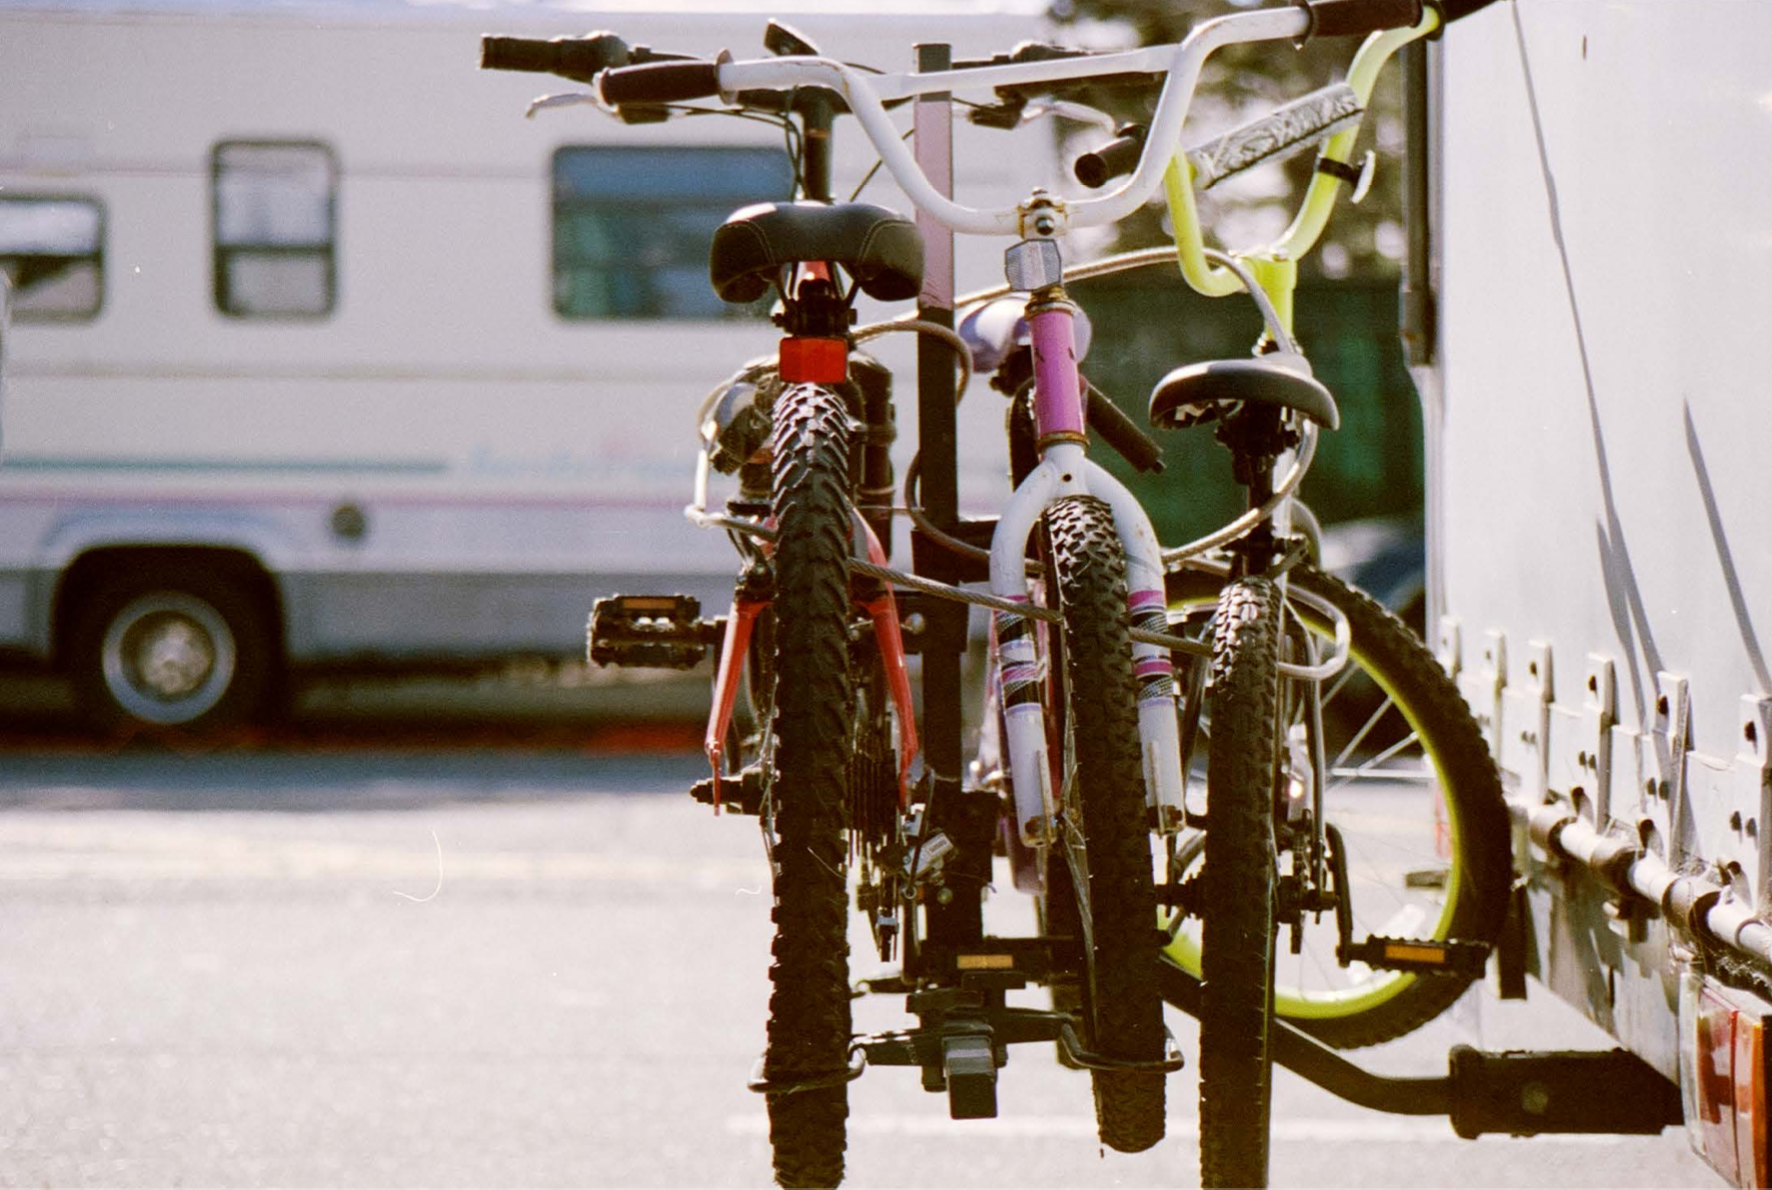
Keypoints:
(49, 851)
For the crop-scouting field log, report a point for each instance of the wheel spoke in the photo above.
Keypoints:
(1373, 765)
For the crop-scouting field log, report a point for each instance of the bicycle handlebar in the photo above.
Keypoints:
(865, 95)
(650, 80)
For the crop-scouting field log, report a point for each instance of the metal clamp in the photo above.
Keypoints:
(1075, 1054)
(858, 1062)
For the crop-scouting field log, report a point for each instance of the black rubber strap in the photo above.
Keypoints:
(1351, 174)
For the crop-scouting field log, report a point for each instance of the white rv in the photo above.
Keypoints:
(1597, 461)
(323, 356)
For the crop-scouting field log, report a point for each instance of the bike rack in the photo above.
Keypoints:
(1512, 1093)
(943, 639)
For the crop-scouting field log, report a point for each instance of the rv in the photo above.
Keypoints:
(325, 358)
(1599, 570)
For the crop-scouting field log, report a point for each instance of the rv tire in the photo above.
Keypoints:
(167, 649)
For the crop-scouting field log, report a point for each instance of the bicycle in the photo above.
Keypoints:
(1275, 851)
(829, 744)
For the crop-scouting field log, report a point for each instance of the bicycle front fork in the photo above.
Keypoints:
(1065, 471)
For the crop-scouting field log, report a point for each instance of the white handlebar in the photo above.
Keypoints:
(866, 95)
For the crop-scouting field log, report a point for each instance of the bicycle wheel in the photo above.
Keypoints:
(1237, 887)
(808, 1034)
(1415, 795)
(1106, 843)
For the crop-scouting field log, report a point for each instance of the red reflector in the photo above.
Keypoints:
(814, 361)
(1750, 1100)
(1716, 1084)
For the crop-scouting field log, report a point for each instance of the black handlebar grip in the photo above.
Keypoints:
(1095, 169)
(1122, 433)
(516, 53)
(1343, 18)
(659, 82)
(1452, 10)
(575, 58)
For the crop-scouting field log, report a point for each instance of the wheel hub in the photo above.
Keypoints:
(172, 656)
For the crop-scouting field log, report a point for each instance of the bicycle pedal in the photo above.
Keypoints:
(650, 631)
(742, 794)
(1180, 894)
(1435, 877)
(1423, 956)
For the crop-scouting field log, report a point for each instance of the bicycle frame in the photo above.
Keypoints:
(1065, 471)
(881, 607)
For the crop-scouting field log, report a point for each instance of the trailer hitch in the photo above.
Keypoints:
(1610, 1092)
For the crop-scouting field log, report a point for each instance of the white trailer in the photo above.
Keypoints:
(324, 356)
(1598, 418)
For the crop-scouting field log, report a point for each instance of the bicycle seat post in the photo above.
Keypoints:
(817, 115)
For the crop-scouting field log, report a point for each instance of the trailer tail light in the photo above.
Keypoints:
(1723, 1077)
(1750, 1100)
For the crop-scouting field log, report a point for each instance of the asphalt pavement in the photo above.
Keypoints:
(391, 965)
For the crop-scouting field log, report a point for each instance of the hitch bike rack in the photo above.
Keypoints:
(1513, 1093)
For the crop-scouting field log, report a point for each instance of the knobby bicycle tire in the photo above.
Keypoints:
(1416, 795)
(809, 1019)
(1238, 888)
(1107, 841)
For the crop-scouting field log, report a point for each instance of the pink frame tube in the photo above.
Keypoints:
(1058, 397)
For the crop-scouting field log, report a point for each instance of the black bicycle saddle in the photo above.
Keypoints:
(1201, 392)
(881, 249)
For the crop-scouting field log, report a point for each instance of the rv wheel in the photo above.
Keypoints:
(160, 649)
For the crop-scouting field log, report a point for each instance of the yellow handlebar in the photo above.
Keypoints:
(1276, 266)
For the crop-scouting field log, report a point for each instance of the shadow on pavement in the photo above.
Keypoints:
(364, 746)
(366, 781)
(37, 714)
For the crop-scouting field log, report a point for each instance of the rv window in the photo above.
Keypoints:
(275, 228)
(632, 225)
(53, 253)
